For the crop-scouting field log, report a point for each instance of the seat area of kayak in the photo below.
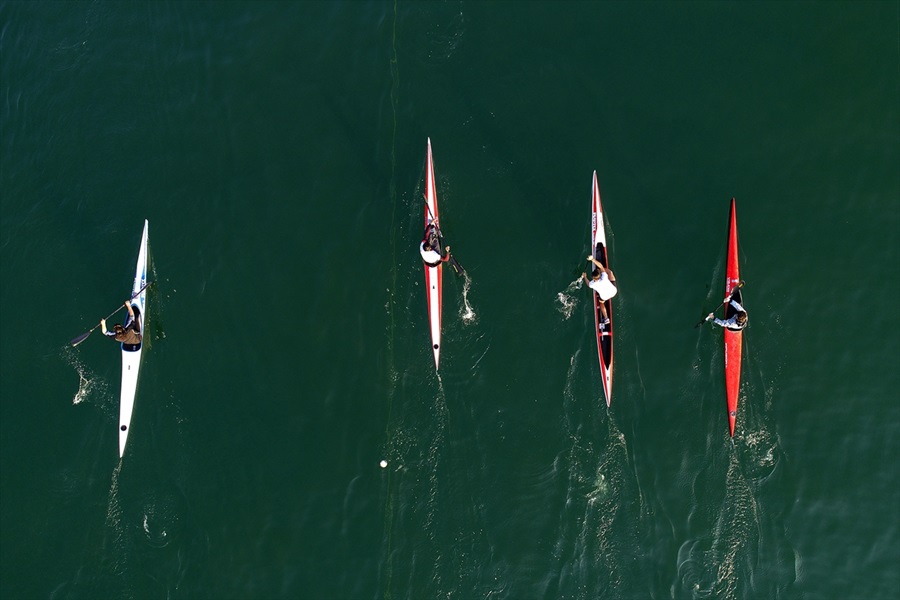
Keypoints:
(600, 255)
(139, 318)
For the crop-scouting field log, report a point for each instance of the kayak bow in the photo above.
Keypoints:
(131, 353)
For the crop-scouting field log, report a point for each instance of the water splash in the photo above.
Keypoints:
(567, 299)
(88, 382)
(84, 388)
(161, 517)
(466, 313)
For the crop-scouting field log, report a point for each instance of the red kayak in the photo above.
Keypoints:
(604, 332)
(733, 339)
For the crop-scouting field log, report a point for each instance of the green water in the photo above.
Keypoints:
(278, 151)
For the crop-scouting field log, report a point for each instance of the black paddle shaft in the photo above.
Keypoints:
(85, 335)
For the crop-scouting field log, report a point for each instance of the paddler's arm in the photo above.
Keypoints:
(446, 255)
(103, 327)
(712, 317)
(601, 267)
(737, 306)
(129, 309)
(722, 323)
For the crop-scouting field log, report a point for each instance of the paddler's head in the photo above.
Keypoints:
(741, 318)
(118, 328)
(432, 239)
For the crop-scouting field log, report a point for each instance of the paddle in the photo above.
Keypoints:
(733, 290)
(725, 301)
(85, 335)
(457, 268)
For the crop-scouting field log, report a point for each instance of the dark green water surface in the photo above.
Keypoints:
(278, 151)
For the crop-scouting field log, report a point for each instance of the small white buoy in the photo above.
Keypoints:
(383, 464)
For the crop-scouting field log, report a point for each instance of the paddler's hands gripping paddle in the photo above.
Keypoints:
(457, 268)
(725, 301)
(84, 336)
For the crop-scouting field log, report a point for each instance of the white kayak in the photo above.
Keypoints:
(434, 276)
(131, 353)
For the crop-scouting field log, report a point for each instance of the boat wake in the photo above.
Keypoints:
(761, 450)
(567, 299)
(88, 382)
(602, 508)
(713, 566)
(465, 312)
(115, 525)
(414, 495)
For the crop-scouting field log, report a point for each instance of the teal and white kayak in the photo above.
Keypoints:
(131, 353)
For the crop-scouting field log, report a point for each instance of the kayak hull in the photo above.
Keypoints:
(733, 339)
(434, 276)
(605, 333)
(132, 354)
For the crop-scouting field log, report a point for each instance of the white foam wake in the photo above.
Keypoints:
(87, 381)
(567, 299)
(466, 312)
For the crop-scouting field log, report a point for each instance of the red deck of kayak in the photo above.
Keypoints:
(733, 339)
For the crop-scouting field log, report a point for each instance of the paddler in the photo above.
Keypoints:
(602, 281)
(129, 333)
(430, 248)
(738, 321)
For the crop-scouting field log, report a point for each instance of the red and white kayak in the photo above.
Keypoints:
(733, 339)
(131, 354)
(604, 332)
(434, 276)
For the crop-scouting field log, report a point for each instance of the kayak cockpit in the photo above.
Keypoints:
(730, 310)
(140, 329)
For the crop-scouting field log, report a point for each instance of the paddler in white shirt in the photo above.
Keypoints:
(738, 321)
(430, 247)
(602, 281)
